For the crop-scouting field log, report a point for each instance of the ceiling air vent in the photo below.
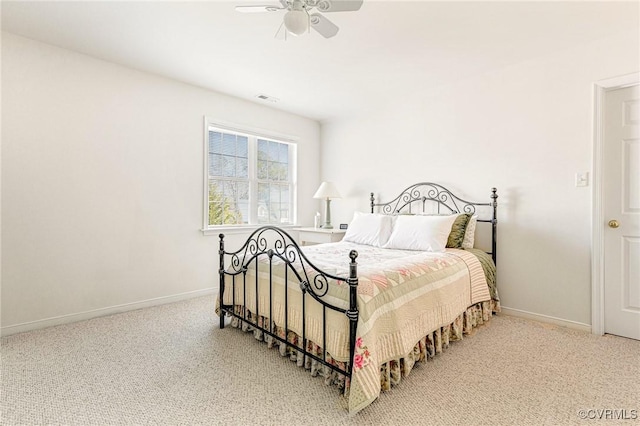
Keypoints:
(267, 98)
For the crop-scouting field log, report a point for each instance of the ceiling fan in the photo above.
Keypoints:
(298, 18)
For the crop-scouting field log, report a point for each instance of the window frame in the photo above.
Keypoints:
(253, 134)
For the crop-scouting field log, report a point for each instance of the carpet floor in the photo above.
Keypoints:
(171, 365)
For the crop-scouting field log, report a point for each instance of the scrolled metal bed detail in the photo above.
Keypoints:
(443, 198)
(273, 242)
(270, 262)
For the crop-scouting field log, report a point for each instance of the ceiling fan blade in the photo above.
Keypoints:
(325, 27)
(257, 8)
(339, 5)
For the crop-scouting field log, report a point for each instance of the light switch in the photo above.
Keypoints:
(582, 179)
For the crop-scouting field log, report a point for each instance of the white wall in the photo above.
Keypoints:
(102, 184)
(526, 130)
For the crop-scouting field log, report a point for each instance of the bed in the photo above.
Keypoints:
(404, 282)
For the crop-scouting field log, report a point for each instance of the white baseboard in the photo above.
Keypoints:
(81, 316)
(546, 319)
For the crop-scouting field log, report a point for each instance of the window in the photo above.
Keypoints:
(250, 179)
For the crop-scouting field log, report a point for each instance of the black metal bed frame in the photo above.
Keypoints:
(271, 242)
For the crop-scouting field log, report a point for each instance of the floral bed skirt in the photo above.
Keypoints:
(392, 371)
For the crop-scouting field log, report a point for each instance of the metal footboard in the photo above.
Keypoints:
(265, 247)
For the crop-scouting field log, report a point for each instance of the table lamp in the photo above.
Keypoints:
(327, 191)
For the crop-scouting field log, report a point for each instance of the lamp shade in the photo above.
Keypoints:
(327, 190)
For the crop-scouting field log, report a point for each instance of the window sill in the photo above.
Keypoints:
(232, 230)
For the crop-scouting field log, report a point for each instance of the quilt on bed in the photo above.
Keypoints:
(402, 296)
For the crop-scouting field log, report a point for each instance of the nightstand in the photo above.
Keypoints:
(310, 236)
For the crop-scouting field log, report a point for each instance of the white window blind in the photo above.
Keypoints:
(250, 179)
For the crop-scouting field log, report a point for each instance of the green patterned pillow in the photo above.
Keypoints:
(456, 236)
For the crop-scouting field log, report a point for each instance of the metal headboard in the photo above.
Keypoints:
(446, 202)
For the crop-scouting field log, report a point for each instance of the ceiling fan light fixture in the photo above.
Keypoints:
(300, 17)
(296, 22)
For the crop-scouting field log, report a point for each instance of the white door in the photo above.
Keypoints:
(621, 204)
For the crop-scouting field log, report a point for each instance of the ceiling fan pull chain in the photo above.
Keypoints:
(278, 32)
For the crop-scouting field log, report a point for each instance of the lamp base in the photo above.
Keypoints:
(327, 215)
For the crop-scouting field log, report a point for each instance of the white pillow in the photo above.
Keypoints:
(372, 229)
(470, 232)
(424, 233)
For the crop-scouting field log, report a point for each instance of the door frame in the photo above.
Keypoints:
(597, 230)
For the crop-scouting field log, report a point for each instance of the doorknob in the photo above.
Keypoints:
(613, 223)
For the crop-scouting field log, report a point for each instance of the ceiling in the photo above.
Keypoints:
(386, 48)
